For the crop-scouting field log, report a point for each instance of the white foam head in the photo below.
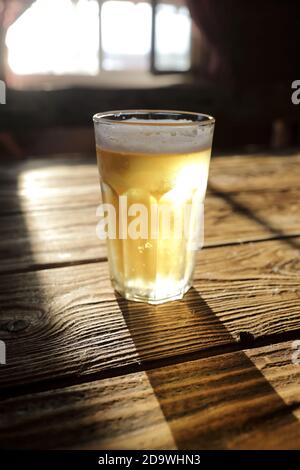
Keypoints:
(154, 135)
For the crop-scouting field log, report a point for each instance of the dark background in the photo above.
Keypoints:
(247, 63)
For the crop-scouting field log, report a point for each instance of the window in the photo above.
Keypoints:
(125, 35)
(87, 37)
(55, 37)
(172, 49)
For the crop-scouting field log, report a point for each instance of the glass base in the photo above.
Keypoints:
(149, 296)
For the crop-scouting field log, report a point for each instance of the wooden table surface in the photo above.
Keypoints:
(87, 370)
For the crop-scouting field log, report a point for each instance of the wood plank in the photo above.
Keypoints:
(255, 172)
(68, 235)
(54, 201)
(65, 323)
(48, 238)
(249, 216)
(239, 400)
(53, 183)
(49, 185)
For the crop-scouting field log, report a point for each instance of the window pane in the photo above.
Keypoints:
(55, 37)
(125, 35)
(172, 38)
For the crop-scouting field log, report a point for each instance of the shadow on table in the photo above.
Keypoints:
(19, 318)
(210, 397)
(26, 319)
(244, 210)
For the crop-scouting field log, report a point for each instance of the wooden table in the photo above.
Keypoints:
(91, 371)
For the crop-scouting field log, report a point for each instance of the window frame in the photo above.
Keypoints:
(103, 77)
(153, 68)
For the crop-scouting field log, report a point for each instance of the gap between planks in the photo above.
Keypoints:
(148, 365)
(246, 399)
(229, 310)
(66, 264)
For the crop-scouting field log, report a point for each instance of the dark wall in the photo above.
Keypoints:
(253, 42)
(245, 81)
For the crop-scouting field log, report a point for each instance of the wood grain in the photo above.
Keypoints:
(172, 376)
(64, 234)
(256, 172)
(48, 207)
(238, 400)
(40, 238)
(49, 184)
(60, 182)
(65, 323)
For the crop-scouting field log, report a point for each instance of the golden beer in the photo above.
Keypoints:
(159, 170)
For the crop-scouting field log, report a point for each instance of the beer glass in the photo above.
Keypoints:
(153, 168)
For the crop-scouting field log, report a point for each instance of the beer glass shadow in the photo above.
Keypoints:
(207, 387)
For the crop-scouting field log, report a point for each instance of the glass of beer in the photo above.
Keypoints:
(153, 168)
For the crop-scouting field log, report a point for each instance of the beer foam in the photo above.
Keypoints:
(154, 136)
(159, 122)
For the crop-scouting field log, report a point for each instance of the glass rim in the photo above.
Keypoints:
(111, 117)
